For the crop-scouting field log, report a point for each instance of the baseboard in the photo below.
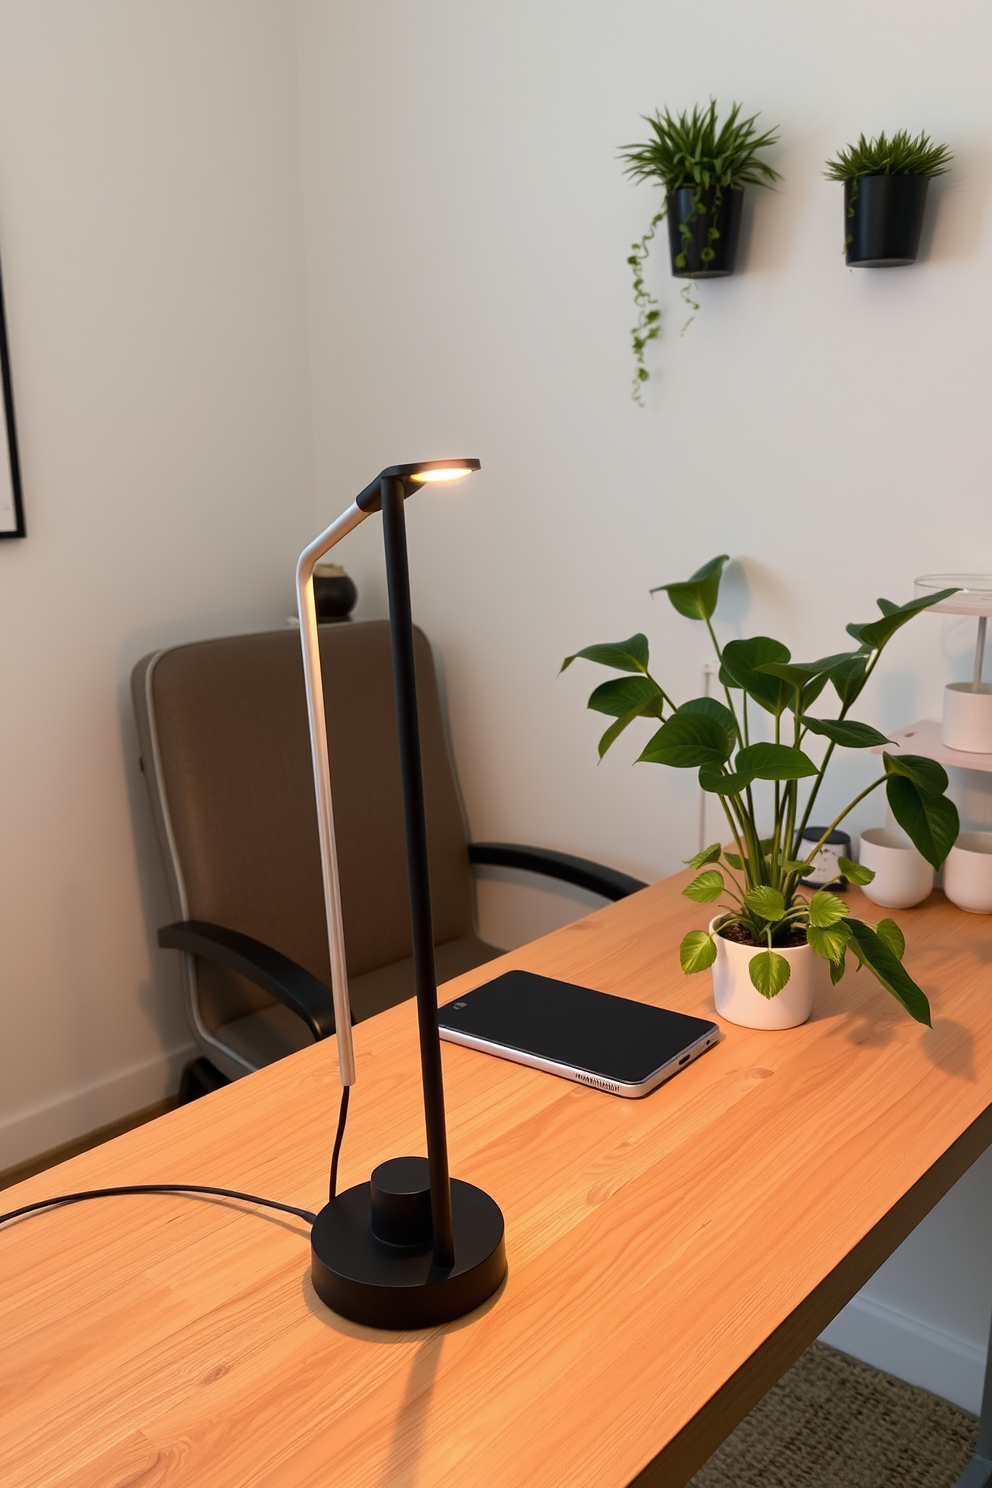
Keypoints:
(26, 1133)
(911, 1350)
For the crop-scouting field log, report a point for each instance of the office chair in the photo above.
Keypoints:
(225, 751)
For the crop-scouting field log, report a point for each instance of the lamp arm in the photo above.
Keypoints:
(345, 523)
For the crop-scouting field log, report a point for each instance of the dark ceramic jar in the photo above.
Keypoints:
(334, 593)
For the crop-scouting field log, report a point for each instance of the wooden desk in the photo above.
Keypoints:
(669, 1258)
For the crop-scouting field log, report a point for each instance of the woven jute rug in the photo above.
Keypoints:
(833, 1422)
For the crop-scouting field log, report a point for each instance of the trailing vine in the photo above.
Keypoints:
(648, 327)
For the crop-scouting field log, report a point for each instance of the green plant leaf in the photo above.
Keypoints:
(719, 784)
(847, 677)
(686, 740)
(791, 672)
(873, 952)
(697, 150)
(706, 888)
(734, 861)
(766, 902)
(837, 969)
(902, 155)
(623, 656)
(697, 951)
(877, 633)
(926, 774)
(739, 668)
(826, 910)
(696, 597)
(769, 972)
(774, 762)
(845, 731)
(804, 679)
(650, 709)
(889, 934)
(854, 872)
(829, 942)
(712, 708)
(931, 822)
(621, 694)
(708, 855)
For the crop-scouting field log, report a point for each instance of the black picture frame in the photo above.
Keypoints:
(11, 497)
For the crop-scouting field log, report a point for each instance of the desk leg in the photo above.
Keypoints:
(978, 1473)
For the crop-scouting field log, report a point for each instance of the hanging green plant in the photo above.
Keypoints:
(703, 166)
(885, 192)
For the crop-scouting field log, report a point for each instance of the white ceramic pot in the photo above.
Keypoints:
(968, 718)
(902, 875)
(968, 872)
(738, 999)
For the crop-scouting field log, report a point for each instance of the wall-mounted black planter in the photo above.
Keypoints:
(884, 219)
(707, 246)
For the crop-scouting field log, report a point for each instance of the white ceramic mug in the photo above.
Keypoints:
(902, 875)
(968, 872)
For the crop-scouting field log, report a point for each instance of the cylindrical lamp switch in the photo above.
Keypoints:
(401, 1202)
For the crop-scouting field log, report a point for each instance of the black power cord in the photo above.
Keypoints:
(339, 1138)
(194, 1188)
(149, 1188)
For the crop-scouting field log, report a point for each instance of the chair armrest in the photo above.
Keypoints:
(565, 866)
(275, 973)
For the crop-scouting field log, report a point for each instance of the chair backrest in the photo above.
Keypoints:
(226, 752)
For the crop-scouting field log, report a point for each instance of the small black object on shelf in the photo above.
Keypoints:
(825, 872)
(884, 220)
(704, 228)
(334, 593)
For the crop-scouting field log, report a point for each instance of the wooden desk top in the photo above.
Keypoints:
(668, 1257)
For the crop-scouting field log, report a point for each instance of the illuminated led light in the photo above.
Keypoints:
(450, 473)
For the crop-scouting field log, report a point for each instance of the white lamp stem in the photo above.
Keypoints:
(346, 523)
(976, 680)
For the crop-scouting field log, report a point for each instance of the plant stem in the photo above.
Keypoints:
(830, 749)
(838, 819)
(733, 828)
(664, 695)
(726, 689)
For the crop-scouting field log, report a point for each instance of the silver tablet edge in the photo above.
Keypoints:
(586, 1077)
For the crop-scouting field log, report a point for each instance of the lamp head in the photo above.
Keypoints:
(411, 476)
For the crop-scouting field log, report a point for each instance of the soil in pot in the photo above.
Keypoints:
(794, 935)
(883, 218)
(704, 228)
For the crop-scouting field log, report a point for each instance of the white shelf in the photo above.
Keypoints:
(924, 738)
(974, 596)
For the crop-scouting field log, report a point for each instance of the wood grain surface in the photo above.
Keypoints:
(668, 1258)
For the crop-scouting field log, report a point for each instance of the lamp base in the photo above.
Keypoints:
(385, 1285)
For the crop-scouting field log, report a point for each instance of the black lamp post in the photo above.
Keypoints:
(412, 1247)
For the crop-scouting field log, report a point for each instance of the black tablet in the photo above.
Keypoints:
(627, 1048)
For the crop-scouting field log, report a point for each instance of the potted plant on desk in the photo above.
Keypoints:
(768, 943)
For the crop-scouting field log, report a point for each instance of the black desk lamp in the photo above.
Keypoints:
(411, 1247)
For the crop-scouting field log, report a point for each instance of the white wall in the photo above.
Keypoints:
(467, 226)
(152, 253)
